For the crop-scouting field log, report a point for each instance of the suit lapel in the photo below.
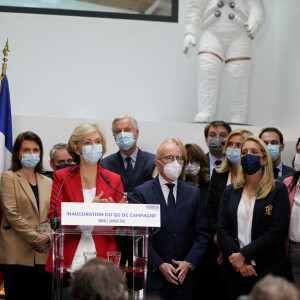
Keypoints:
(41, 188)
(138, 166)
(160, 199)
(27, 188)
(102, 186)
(234, 203)
(180, 202)
(258, 208)
(76, 186)
(120, 168)
(120, 165)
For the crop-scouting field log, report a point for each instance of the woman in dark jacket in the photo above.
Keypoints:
(253, 221)
(222, 177)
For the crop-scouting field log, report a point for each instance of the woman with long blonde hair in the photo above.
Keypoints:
(221, 177)
(253, 221)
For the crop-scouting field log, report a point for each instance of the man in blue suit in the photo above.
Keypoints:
(183, 237)
(131, 163)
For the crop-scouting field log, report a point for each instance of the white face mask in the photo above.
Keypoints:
(192, 170)
(172, 170)
(297, 163)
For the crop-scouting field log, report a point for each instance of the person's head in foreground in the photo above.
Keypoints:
(99, 280)
(274, 288)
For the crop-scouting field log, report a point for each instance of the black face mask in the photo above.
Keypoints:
(251, 163)
(215, 146)
(59, 167)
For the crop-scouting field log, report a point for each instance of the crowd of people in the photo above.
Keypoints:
(228, 218)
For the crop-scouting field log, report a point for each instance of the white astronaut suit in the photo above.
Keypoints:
(227, 27)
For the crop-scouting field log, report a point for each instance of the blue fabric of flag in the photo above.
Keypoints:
(5, 114)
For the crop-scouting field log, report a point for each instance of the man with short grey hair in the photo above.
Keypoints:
(131, 163)
(59, 158)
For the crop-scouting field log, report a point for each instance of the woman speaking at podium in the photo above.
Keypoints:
(83, 183)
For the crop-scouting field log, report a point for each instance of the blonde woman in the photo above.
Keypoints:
(224, 175)
(253, 221)
(87, 145)
(221, 177)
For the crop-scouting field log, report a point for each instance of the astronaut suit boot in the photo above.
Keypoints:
(226, 29)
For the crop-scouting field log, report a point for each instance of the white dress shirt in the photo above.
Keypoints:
(295, 216)
(165, 189)
(212, 163)
(280, 169)
(245, 222)
(133, 158)
(86, 243)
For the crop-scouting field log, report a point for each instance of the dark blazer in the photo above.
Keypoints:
(207, 155)
(143, 168)
(185, 239)
(269, 230)
(286, 172)
(215, 191)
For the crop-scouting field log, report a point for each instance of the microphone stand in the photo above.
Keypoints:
(152, 232)
(54, 222)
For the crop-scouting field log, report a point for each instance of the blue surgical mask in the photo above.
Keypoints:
(251, 163)
(274, 151)
(125, 140)
(59, 167)
(29, 161)
(233, 155)
(91, 154)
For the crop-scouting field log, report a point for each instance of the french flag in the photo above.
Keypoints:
(5, 138)
(5, 127)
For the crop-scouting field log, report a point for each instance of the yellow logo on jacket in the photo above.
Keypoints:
(269, 209)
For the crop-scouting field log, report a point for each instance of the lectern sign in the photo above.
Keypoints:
(108, 214)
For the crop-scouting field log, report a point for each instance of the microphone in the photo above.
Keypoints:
(126, 195)
(153, 230)
(54, 221)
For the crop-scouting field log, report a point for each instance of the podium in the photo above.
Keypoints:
(140, 251)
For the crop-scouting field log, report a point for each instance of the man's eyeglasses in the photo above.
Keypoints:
(171, 158)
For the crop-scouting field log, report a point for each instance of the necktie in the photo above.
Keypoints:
(171, 202)
(129, 168)
(218, 162)
(275, 172)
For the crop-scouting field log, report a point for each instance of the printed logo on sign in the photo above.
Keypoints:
(152, 207)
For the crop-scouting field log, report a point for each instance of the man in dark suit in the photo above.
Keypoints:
(183, 237)
(215, 134)
(273, 138)
(131, 163)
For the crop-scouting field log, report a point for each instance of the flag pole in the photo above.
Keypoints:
(5, 51)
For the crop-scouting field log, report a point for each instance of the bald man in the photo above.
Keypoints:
(180, 243)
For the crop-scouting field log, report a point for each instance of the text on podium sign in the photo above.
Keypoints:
(107, 214)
